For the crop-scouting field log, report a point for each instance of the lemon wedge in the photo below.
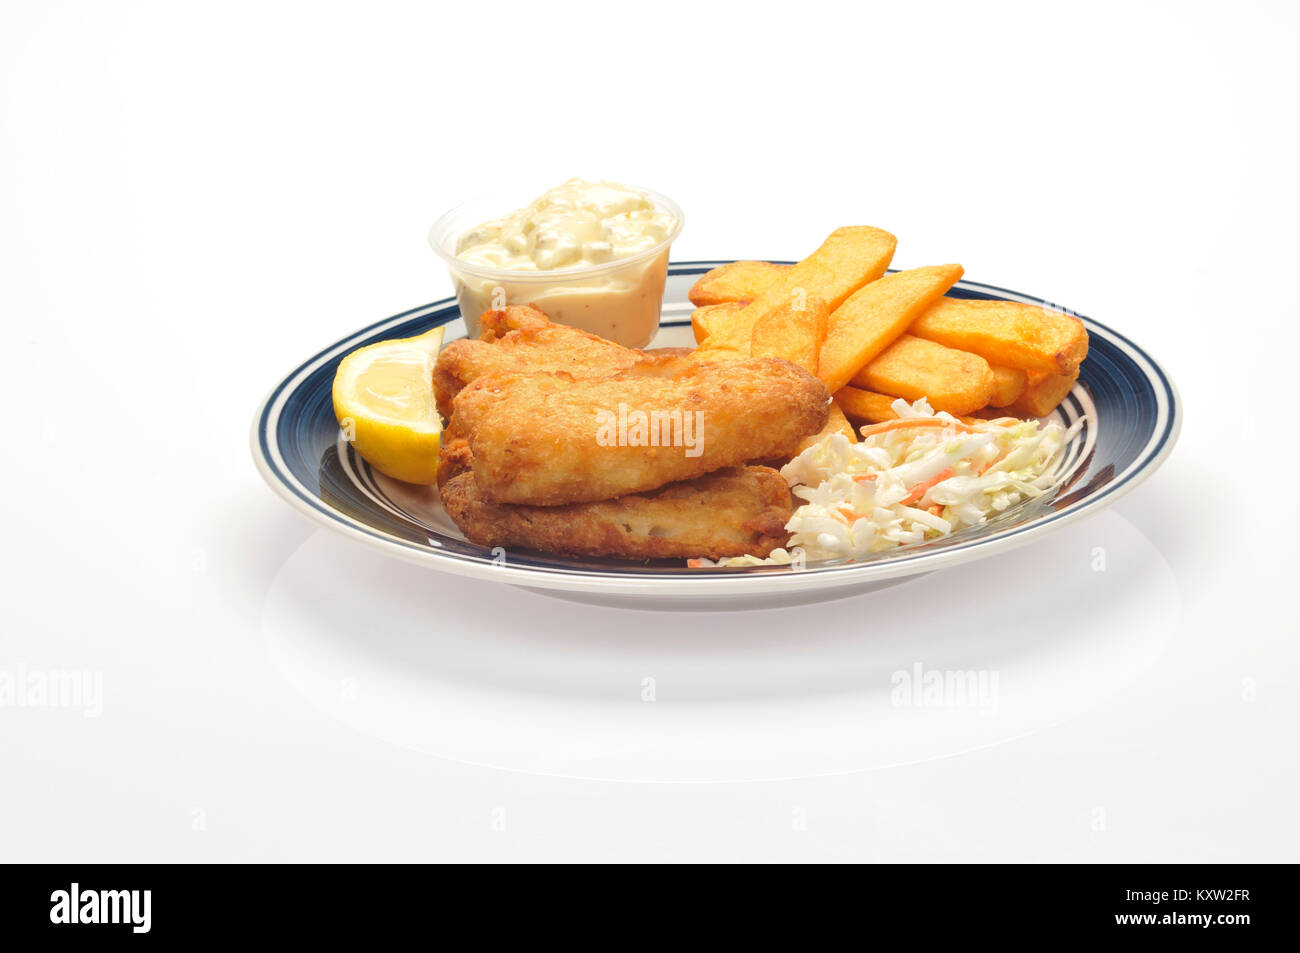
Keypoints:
(383, 399)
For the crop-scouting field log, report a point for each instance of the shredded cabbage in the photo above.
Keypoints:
(908, 481)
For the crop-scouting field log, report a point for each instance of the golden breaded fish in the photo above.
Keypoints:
(523, 339)
(454, 458)
(550, 439)
(733, 512)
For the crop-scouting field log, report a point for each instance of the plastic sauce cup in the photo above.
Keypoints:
(618, 300)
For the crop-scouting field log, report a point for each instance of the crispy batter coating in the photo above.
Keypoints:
(522, 339)
(732, 512)
(454, 457)
(551, 439)
(496, 324)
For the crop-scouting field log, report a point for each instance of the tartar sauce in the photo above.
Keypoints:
(575, 224)
(592, 255)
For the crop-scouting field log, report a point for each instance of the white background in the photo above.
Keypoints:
(194, 197)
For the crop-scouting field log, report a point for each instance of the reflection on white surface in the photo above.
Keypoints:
(488, 674)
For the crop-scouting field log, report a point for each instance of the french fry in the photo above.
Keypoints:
(1011, 336)
(840, 423)
(874, 316)
(956, 381)
(1007, 332)
(849, 258)
(835, 423)
(873, 408)
(726, 327)
(735, 281)
(707, 318)
(994, 413)
(1009, 384)
(795, 334)
(1042, 394)
(865, 405)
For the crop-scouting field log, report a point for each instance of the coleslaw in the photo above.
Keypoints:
(911, 480)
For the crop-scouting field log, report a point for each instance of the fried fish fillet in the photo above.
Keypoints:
(733, 512)
(523, 339)
(550, 439)
(454, 457)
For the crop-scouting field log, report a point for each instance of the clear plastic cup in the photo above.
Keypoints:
(619, 300)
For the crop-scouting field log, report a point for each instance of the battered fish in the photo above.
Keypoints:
(454, 457)
(733, 512)
(523, 339)
(550, 439)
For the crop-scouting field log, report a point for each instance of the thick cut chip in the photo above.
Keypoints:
(873, 408)
(1008, 384)
(711, 320)
(956, 381)
(795, 334)
(1043, 393)
(726, 327)
(865, 405)
(849, 258)
(1007, 332)
(735, 281)
(1009, 335)
(875, 316)
(835, 423)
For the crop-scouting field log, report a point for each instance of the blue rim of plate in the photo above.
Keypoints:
(1132, 419)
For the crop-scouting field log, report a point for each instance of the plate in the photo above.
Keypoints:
(1131, 416)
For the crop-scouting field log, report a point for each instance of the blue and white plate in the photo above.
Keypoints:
(1131, 411)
